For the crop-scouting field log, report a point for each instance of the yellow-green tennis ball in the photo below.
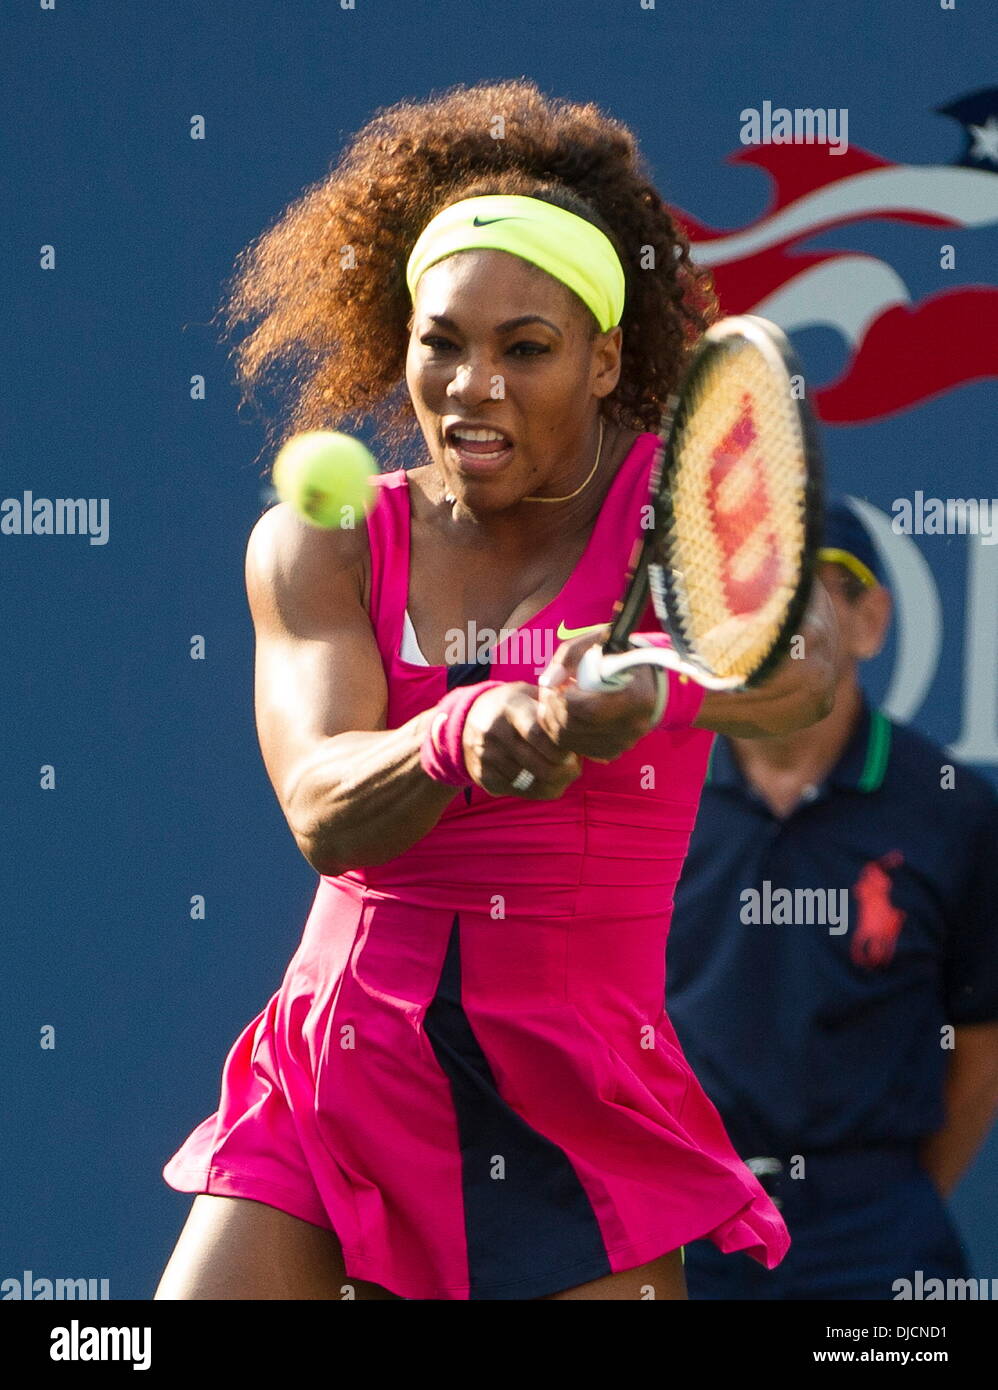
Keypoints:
(326, 477)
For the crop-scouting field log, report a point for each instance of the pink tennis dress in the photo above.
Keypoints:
(467, 1072)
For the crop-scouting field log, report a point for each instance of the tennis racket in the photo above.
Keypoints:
(736, 514)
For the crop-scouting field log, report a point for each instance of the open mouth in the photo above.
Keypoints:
(478, 449)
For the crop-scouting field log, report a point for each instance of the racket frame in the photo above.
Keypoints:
(647, 575)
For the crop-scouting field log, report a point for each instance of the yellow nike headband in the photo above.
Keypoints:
(566, 246)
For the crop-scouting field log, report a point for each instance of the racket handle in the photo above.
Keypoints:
(596, 671)
(601, 670)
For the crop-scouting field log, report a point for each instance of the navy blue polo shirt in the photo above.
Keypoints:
(815, 1021)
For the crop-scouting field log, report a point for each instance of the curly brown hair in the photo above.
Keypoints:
(325, 285)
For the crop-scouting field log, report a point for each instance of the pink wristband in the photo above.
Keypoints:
(441, 752)
(683, 696)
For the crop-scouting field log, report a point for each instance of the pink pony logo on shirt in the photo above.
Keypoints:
(880, 922)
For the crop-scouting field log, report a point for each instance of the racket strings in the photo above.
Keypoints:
(730, 553)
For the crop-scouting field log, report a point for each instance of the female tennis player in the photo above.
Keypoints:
(466, 1086)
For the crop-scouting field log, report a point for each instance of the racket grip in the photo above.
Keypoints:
(591, 673)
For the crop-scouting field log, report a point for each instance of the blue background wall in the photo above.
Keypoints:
(161, 792)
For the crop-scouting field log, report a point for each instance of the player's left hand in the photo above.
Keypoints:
(597, 724)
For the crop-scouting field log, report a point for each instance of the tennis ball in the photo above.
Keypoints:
(326, 477)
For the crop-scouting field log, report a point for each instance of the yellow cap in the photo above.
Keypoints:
(862, 572)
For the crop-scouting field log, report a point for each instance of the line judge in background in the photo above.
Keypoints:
(855, 1064)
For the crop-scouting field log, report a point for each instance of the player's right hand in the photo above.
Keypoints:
(503, 737)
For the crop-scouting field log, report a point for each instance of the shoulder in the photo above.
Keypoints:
(639, 448)
(288, 558)
(398, 477)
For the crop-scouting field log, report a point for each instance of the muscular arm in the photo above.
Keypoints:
(799, 692)
(353, 793)
(971, 1105)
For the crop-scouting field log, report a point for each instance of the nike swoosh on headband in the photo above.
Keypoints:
(565, 632)
(485, 221)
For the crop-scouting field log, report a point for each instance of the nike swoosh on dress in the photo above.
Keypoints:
(565, 632)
